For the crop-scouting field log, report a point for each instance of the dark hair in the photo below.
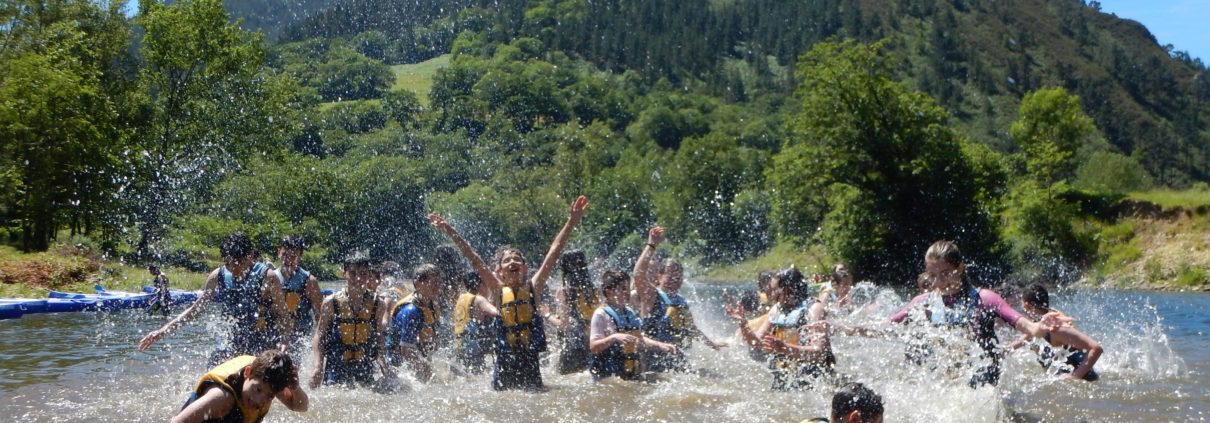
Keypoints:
(839, 272)
(613, 279)
(763, 279)
(153, 268)
(236, 245)
(1037, 296)
(357, 258)
(946, 251)
(292, 242)
(574, 265)
(750, 300)
(793, 279)
(274, 368)
(502, 251)
(856, 397)
(426, 271)
(471, 281)
(668, 264)
(388, 267)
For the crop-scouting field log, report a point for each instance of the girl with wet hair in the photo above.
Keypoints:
(521, 334)
(795, 336)
(952, 301)
(577, 301)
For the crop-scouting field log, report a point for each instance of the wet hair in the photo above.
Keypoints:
(614, 279)
(236, 245)
(667, 265)
(471, 281)
(153, 268)
(793, 279)
(292, 242)
(426, 271)
(750, 301)
(763, 279)
(574, 265)
(357, 258)
(503, 251)
(946, 251)
(839, 272)
(275, 368)
(1037, 296)
(856, 397)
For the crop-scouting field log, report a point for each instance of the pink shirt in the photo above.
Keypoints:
(988, 300)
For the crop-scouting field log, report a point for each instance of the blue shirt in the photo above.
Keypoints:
(407, 324)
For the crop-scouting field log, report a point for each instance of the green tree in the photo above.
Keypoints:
(872, 171)
(348, 75)
(212, 103)
(1112, 172)
(404, 107)
(1050, 128)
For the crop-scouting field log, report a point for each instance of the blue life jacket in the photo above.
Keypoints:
(619, 360)
(297, 303)
(243, 303)
(669, 319)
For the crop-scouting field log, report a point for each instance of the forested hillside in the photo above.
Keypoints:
(867, 129)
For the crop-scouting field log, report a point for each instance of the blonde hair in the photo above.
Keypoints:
(946, 251)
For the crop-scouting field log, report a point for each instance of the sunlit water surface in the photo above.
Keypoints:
(84, 367)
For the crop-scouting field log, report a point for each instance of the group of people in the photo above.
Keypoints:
(635, 326)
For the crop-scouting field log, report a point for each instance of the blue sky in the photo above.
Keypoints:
(1183, 23)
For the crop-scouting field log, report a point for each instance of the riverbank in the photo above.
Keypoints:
(71, 269)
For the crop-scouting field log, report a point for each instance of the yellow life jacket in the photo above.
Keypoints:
(428, 334)
(358, 330)
(517, 314)
(786, 326)
(764, 299)
(462, 312)
(222, 376)
(586, 305)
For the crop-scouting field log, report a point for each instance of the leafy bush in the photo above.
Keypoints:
(1112, 172)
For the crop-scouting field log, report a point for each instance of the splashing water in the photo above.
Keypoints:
(83, 367)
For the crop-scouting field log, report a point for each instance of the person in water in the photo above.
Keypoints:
(161, 300)
(577, 302)
(349, 331)
(616, 332)
(521, 333)
(952, 301)
(299, 287)
(242, 390)
(854, 403)
(665, 313)
(253, 311)
(1081, 351)
(413, 329)
(836, 291)
(473, 330)
(795, 335)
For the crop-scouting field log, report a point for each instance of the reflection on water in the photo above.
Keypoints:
(83, 367)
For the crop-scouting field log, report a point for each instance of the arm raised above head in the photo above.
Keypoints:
(578, 207)
(643, 289)
(485, 273)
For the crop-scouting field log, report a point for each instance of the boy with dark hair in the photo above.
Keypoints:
(1076, 352)
(348, 333)
(299, 287)
(256, 310)
(413, 328)
(242, 389)
(855, 403)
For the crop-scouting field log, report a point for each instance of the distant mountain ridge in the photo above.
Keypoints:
(976, 58)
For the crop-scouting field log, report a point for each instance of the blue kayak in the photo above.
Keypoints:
(60, 305)
(177, 296)
(27, 305)
(11, 311)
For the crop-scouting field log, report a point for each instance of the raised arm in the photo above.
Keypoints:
(485, 272)
(644, 291)
(185, 316)
(578, 207)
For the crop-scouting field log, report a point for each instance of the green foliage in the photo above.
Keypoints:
(1038, 226)
(873, 172)
(348, 75)
(490, 218)
(1051, 126)
(1112, 172)
(1190, 276)
(356, 117)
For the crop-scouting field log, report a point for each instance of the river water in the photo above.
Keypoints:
(84, 367)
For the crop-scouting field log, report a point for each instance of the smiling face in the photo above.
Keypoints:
(511, 268)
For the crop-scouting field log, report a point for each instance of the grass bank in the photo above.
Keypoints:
(66, 268)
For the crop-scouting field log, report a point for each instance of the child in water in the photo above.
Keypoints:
(665, 313)
(1082, 351)
(256, 310)
(162, 299)
(243, 388)
(616, 337)
(349, 333)
(952, 301)
(299, 287)
(577, 303)
(854, 403)
(414, 322)
(795, 335)
(521, 332)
